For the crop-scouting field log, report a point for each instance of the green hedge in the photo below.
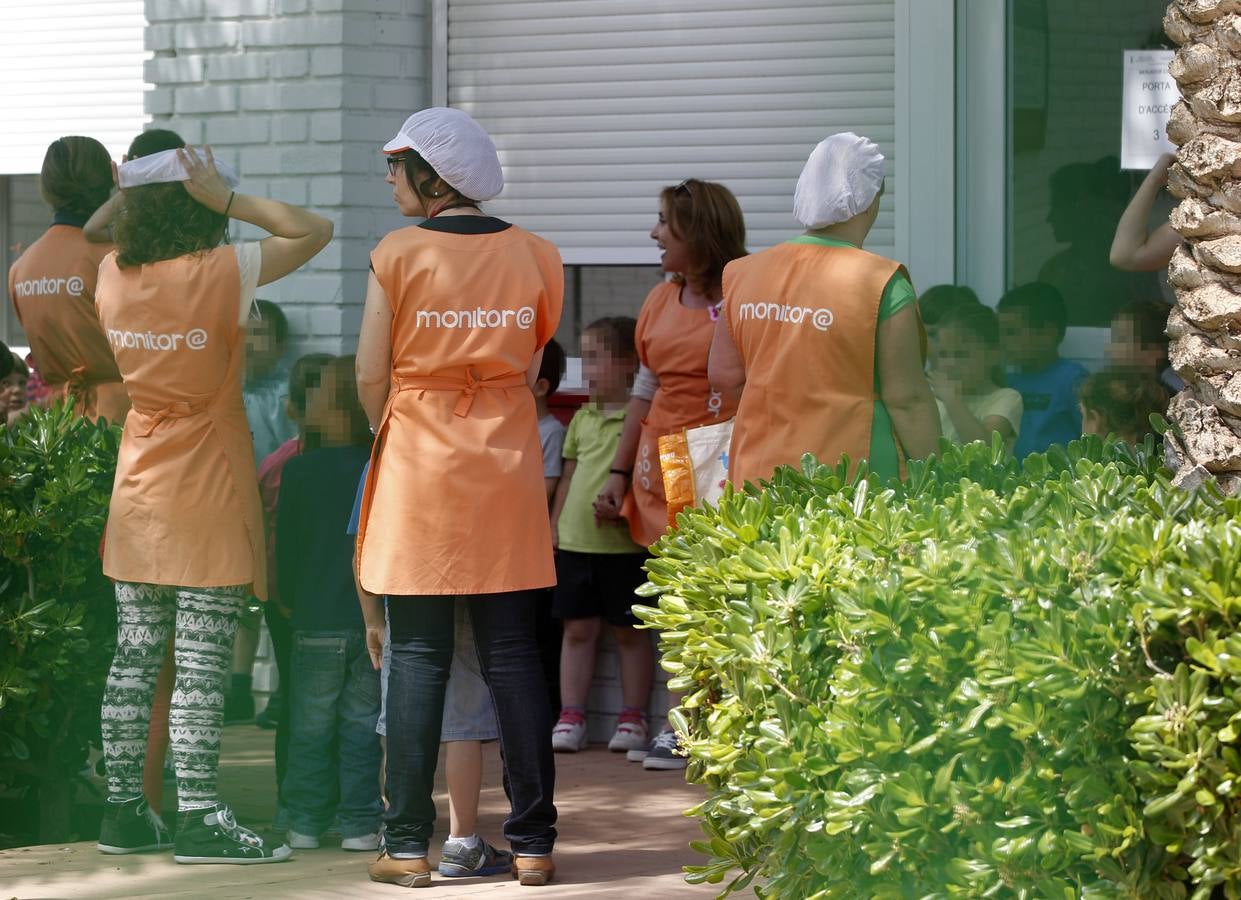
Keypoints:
(995, 680)
(57, 611)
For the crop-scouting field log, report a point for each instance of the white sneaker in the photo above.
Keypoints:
(569, 736)
(299, 841)
(630, 735)
(368, 842)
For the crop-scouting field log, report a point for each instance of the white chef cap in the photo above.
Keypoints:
(166, 166)
(456, 147)
(841, 179)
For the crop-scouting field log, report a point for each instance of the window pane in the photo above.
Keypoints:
(1067, 190)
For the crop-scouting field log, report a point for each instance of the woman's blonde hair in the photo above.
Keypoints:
(707, 217)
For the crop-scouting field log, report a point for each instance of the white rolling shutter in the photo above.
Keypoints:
(596, 104)
(68, 68)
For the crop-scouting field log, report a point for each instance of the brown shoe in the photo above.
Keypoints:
(533, 870)
(411, 873)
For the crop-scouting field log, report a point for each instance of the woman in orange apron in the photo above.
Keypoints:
(823, 336)
(458, 311)
(699, 231)
(184, 540)
(52, 284)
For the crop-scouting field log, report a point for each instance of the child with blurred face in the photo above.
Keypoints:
(267, 339)
(1139, 342)
(598, 566)
(1120, 402)
(13, 390)
(1033, 320)
(968, 381)
(936, 303)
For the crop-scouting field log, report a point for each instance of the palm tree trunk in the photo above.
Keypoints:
(1205, 325)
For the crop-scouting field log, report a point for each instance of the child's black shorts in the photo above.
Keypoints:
(598, 584)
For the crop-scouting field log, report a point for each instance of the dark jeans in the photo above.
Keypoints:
(333, 704)
(422, 645)
(281, 631)
(550, 635)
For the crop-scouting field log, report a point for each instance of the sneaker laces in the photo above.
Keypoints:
(161, 830)
(224, 815)
(665, 740)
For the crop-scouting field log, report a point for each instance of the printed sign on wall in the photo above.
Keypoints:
(1149, 95)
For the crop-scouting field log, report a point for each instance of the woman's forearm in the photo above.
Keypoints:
(98, 228)
(1134, 247)
(372, 605)
(915, 419)
(627, 448)
(374, 397)
(279, 219)
(1131, 230)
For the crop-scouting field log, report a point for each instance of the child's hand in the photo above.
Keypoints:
(375, 644)
(611, 496)
(606, 510)
(943, 386)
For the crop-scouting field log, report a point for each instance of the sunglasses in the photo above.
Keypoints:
(685, 187)
(395, 163)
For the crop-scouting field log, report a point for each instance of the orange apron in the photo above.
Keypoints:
(804, 318)
(455, 501)
(52, 286)
(673, 342)
(185, 505)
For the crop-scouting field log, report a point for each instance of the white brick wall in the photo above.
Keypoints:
(604, 702)
(299, 94)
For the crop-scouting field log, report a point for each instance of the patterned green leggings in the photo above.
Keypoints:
(205, 621)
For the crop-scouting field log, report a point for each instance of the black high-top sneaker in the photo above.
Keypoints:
(131, 826)
(212, 835)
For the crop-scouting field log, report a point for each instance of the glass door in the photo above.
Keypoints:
(1066, 188)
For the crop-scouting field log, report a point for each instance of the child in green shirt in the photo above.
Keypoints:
(598, 566)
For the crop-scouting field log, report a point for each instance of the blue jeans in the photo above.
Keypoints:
(334, 753)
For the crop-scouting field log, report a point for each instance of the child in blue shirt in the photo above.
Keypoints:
(1032, 325)
(266, 390)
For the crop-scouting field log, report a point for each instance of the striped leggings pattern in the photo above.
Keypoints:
(204, 621)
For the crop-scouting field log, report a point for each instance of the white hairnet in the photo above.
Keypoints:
(841, 179)
(456, 147)
(166, 166)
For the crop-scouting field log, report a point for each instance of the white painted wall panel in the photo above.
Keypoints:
(595, 105)
(69, 68)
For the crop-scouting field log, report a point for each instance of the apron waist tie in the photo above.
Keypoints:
(469, 386)
(81, 386)
(181, 409)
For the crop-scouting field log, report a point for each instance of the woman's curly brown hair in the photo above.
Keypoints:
(162, 221)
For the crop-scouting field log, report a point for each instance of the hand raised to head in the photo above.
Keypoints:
(205, 184)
